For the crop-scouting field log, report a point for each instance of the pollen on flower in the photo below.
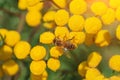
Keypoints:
(103, 38)
(12, 37)
(56, 52)
(99, 8)
(92, 73)
(94, 59)
(91, 28)
(22, 49)
(114, 62)
(33, 18)
(76, 23)
(37, 67)
(53, 64)
(78, 6)
(61, 17)
(109, 17)
(38, 52)
(46, 38)
(10, 67)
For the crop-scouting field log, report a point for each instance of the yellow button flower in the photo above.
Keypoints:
(76, 23)
(77, 6)
(53, 64)
(118, 32)
(61, 17)
(22, 49)
(3, 32)
(60, 3)
(77, 37)
(49, 25)
(114, 62)
(117, 13)
(56, 52)
(99, 8)
(33, 18)
(114, 3)
(36, 7)
(92, 73)
(22, 4)
(103, 38)
(115, 78)
(89, 40)
(38, 53)
(81, 68)
(94, 59)
(109, 17)
(37, 67)
(100, 77)
(61, 32)
(43, 76)
(49, 16)
(32, 2)
(47, 37)
(12, 37)
(10, 67)
(5, 52)
(91, 28)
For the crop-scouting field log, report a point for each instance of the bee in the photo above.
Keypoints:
(67, 45)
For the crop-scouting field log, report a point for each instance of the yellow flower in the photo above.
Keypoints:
(56, 52)
(49, 16)
(10, 67)
(12, 37)
(92, 73)
(33, 18)
(100, 77)
(91, 28)
(61, 17)
(37, 67)
(89, 40)
(109, 16)
(49, 25)
(3, 32)
(53, 64)
(118, 32)
(76, 23)
(99, 8)
(77, 6)
(114, 62)
(62, 32)
(77, 37)
(82, 68)
(22, 49)
(32, 2)
(22, 4)
(38, 52)
(103, 38)
(47, 37)
(36, 7)
(114, 3)
(94, 59)
(60, 3)
(40, 77)
(5, 52)
(117, 13)
(115, 78)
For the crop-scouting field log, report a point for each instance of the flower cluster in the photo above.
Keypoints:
(68, 24)
(88, 69)
(33, 16)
